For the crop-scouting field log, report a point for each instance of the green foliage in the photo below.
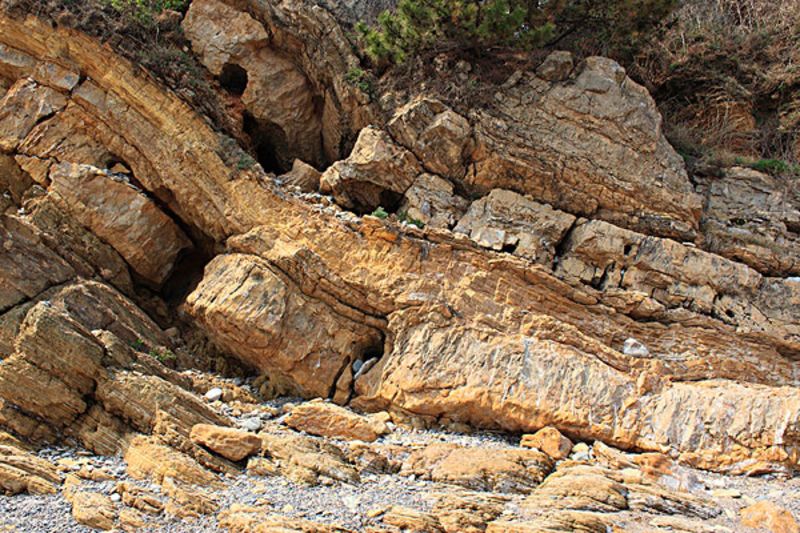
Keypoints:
(380, 213)
(417, 26)
(138, 345)
(776, 167)
(245, 162)
(145, 11)
(163, 355)
(358, 77)
(405, 217)
(233, 154)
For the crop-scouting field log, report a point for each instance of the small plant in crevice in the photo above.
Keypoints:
(358, 77)
(163, 355)
(405, 217)
(233, 154)
(380, 213)
(138, 345)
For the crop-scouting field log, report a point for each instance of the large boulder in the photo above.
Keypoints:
(507, 221)
(591, 145)
(377, 173)
(438, 136)
(259, 314)
(118, 213)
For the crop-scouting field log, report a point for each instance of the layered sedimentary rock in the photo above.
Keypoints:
(620, 334)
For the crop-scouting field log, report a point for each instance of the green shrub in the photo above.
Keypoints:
(776, 167)
(358, 77)
(138, 345)
(145, 11)
(404, 217)
(380, 213)
(163, 355)
(417, 26)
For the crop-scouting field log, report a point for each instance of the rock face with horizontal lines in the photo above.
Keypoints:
(543, 260)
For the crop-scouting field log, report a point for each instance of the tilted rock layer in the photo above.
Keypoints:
(571, 275)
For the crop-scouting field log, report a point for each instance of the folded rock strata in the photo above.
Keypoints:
(424, 323)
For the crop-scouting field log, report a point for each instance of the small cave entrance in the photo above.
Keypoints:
(233, 79)
(186, 275)
(269, 142)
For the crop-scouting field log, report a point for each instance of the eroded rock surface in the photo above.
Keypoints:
(569, 274)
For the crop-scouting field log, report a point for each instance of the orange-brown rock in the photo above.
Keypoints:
(431, 200)
(432, 308)
(233, 444)
(437, 135)
(131, 520)
(303, 176)
(305, 460)
(240, 518)
(277, 95)
(564, 142)
(501, 470)
(550, 441)
(376, 173)
(749, 217)
(301, 342)
(21, 471)
(507, 221)
(94, 510)
(770, 516)
(122, 216)
(330, 420)
(186, 501)
(22, 107)
(149, 459)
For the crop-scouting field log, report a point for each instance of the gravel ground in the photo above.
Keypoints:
(348, 505)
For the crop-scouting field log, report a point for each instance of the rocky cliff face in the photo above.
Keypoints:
(546, 261)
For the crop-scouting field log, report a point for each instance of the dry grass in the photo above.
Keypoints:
(728, 71)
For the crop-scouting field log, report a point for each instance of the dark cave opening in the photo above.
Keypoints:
(233, 79)
(269, 142)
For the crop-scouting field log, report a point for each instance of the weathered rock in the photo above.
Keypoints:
(406, 519)
(566, 144)
(27, 265)
(377, 173)
(122, 216)
(188, 502)
(430, 200)
(138, 498)
(149, 459)
(329, 420)
(233, 444)
(556, 67)
(551, 352)
(23, 106)
(303, 176)
(437, 135)
(754, 218)
(677, 276)
(468, 512)
(94, 510)
(260, 519)
(502, 470)
(505, 220)
(276, 94)
(297, 340)
(768, 515)
(21, 471)
(550, 441)
(304, 459)
(131, 520)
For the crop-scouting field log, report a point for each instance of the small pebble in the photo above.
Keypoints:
(214, 394)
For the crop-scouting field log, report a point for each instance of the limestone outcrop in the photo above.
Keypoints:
(544, 260)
